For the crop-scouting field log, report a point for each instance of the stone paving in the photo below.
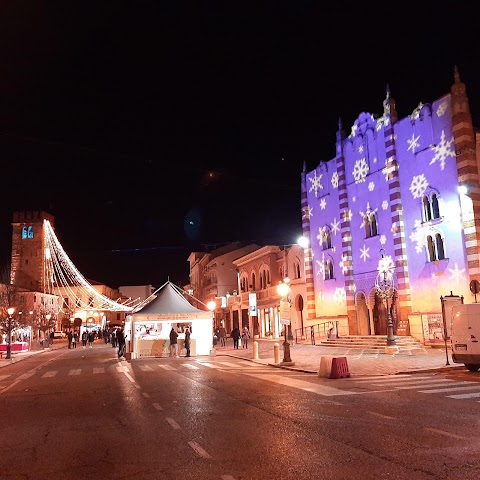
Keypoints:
(307, 358)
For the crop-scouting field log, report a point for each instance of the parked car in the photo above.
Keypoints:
(58, 334)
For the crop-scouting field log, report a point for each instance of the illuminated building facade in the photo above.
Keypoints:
(394, 185)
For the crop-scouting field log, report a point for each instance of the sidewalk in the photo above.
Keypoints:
(307, 358)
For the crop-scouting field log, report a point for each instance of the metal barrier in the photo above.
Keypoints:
(320, 330)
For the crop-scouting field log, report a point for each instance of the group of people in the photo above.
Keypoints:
(236, 334)
(86, 337)
(174, 342)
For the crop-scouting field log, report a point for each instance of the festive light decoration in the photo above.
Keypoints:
(62, 279)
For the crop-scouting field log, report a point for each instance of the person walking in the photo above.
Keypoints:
(236, 336)
(70, 338)
(245, 337)
(223, 336)
(121, 343)
(187, 341)
(74, 340)
(91, 338)
(84, 339)
(173, 343)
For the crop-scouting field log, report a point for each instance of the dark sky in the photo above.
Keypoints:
(151, 129)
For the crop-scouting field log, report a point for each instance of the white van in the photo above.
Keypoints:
(465, 335)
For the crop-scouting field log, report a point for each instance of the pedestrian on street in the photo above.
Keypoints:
(173, 343)
(74, 340)
(223, 336)
(70, 338)
(84, 338)
(187, 341)
(245, 337)
(121, 343)
(91, 338)
(236, 336)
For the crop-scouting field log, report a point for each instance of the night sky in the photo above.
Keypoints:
(152, 129)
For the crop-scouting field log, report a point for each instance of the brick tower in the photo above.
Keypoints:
(28, 249)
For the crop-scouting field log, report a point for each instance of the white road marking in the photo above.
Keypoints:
(4, 377)
(166, 367)
(98, 370)
(303, 385)
(145, 394)
(446, 434)
(381, 415)
(129, 377)
(50, 373)
(76, 371)
(229, 364)
(173, 423)
(190, 366)
(26, 375)
(382, 377)
(146, 368)
(411, 387)
(227, 477)
(157, 406)
(453, 389)
(199, 450)
(465, 395)
(209, 365)
(389, 381)
(121, 368)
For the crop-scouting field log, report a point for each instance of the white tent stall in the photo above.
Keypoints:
(153, 320)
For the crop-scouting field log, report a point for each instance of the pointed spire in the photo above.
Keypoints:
(389, 106)
(456, 74)
(339, 123)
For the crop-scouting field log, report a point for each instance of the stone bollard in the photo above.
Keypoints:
(276, 353)
(255, 350)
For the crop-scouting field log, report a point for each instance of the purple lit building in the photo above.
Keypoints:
(392, 189)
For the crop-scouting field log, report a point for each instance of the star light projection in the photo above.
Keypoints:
(62, 279)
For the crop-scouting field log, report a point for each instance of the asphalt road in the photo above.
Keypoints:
(83, 414)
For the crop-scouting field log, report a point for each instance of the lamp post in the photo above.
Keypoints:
(385, 287)
(10, 312)
(283, 290)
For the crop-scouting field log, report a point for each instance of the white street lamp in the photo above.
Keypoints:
(385, 287)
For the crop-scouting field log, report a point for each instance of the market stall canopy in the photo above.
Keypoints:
(167, 302)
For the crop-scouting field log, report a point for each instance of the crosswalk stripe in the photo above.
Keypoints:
(76, 371)
(50, 373)
(190, 366)
(97, 370)
(390, 379)
(228, 364)
(467, 386)
(166, 367)
(414, 382)
(420, 385)
(209, 365)
(303, 385)
(146, 368)
(465, 395)
(4, 377)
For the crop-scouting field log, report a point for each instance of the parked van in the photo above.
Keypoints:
(465, 335)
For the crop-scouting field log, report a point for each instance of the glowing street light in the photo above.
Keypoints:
(385, 287)
(283, 289)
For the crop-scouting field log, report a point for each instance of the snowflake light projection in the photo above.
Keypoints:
(315, 181)
(360, 149)
(418, 186)
(383, 239)
(384, 205)
(360, 170)
(320, 268)
(335, 180)
(322, 232)
(307, 212)
(418, 236)
(442, 151)
(458, 274)
(364, 253)
(323, 203)
(442, 108)
(371, 186)
(413, 143)
(388, 170)
(340, 296)
(335, 226)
